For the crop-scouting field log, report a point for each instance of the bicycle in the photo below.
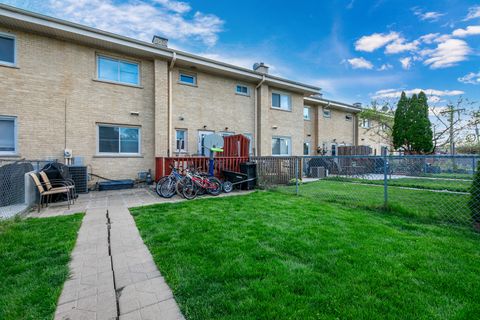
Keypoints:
(166, 186)
(194, 182)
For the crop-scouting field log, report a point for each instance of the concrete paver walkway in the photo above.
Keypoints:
(113, 275)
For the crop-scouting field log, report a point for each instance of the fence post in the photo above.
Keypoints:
(385, 180)
(296, 175)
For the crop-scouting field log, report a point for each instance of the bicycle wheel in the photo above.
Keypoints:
(227, 187)
(168, 188)
(190, 190)
(216, 186)
(159, 185)
(179, 186)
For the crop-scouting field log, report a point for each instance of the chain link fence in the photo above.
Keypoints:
(426, 188)
(12, 185)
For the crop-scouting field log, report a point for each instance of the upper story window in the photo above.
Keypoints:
(118, 140)
(8, 135)
(7, 50)
(281, 101)
(365, 123)
(306, 113)
(348, 117)
(187, 78)
(117, 70)
(327, 113)
(243, 90)
(281, 146)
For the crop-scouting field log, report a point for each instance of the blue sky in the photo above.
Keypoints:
(355, 50)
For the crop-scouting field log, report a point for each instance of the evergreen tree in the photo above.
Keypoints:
(422, 133)
(400, 122)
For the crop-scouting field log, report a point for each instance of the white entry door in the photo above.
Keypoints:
(201, 138)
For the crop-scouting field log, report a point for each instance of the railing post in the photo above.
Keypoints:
(385, 180)
(296, 175)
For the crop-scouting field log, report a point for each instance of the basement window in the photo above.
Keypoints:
(186, 78)
(116, 70)
(116, 140)
(8, 135)
(7, 50)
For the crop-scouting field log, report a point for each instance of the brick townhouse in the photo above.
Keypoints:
(118, 102)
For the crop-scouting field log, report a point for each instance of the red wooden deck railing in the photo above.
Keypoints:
(162, 165)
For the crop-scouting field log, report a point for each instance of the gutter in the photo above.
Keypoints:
(255, 127)
(170, 104)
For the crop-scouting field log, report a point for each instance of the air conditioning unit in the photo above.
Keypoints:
(79, 175)
(318, 172)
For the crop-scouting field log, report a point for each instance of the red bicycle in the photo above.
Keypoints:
(193, 183)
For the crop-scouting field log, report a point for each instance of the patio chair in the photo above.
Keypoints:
(45, 195)
(55, 183)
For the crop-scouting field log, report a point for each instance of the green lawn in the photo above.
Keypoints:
(420, 183)
(34, 256)
(270, 255)
(423, 205)
(465, 176)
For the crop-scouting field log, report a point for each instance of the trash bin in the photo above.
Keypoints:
(250, 169)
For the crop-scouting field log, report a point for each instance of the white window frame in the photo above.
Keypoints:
(349, 117)
(10, 36)
(327, 113)
(185, 142)
(365, 123)
(247, 94)
(309, 116)
(118, 60)
(282, 94)
(119, 154)
(226, 133)
(15, 136)
(187, 74)
(289, 149)
(250, 145)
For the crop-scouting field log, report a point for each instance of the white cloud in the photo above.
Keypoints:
(446, 54)
(473, 12)
(406, 63)
(427, 16)
(470, 78)
(140, 19)
(377, 40)
(385, 67)
(400, 45)
(429, 38)
(396, 93)
(469, 31)
(360, 63)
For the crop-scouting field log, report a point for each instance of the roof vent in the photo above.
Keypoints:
(357, 104)
(260, 67)
(160, 41)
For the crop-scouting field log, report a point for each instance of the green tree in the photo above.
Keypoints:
(400, 124)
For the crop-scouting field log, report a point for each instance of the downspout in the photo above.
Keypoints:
(255, 129)
(170, 104)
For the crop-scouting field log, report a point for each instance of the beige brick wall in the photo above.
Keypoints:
(54, 76)
(212, 103)
(310, 130)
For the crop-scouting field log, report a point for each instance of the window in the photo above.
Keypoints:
(327, 113)
(250, 145)
(281, 101)
(242, 90)
(7, 50)
(334, 150)
(116, 70)
(348, 117)
(181, 140)
(226, 133)
(365, 123)
(281, 146)
(118, 140)
(185, 78)
(306, 113)
(201, 143)
(306, 148)
(8, 135)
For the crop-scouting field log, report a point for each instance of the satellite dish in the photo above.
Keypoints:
(213, 141)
